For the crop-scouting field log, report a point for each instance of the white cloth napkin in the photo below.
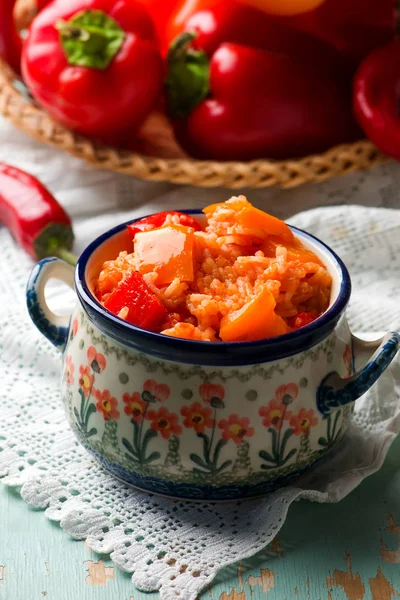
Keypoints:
(173, 546)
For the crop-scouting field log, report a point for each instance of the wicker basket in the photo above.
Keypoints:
(158, 157)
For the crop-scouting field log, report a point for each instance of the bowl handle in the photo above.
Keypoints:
(335, 391)
(54, 327)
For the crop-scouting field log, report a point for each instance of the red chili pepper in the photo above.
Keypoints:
(303, 319)
(145, 309)
(10, 41)
(94, 65)
(33, 216)
(158, 220)
(243, 103)
(377, 96)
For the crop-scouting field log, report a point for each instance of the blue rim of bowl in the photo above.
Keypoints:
(209, 353)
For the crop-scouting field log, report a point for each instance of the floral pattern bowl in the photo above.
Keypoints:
(202, 420)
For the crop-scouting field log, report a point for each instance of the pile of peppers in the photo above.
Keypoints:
(239, 79)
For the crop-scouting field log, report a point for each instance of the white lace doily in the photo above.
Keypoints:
(172, 546)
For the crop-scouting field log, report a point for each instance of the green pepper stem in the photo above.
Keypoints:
(188, 80)
(68, 30)
(66, 255)
(91, 38)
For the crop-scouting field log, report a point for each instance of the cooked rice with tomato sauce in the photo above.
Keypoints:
(243, 277)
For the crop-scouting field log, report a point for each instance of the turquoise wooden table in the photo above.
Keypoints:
(340, 551)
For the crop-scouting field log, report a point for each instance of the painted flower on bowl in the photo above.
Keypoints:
(106, 404)
(303, 421)
(164, 422)
(85, 379)
(287, 393)
(97, 361)
(236, 428)
(197, 416)
(134, 407)
(213, 394)
(75, 326)
(69, 370)
(153, 391)
(274, 414)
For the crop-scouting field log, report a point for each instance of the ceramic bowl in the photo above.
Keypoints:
(203, 420)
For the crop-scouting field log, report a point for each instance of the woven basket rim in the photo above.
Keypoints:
(34, 121)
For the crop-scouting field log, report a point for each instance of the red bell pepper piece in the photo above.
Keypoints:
(35, 219)
(94, 65)
(243, 103)
(376, 98)
(303, 319)
(144, 308)
(10, 41)
(158, 220)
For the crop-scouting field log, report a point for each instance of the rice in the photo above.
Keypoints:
(235, 262)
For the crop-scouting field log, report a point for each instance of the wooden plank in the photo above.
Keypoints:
(346, 551)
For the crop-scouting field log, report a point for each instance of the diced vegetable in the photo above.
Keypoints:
(295, 250)
(304, 318)
(248, 217)
(158, 220)
(167, 251)
(255, 321)
(144, 308)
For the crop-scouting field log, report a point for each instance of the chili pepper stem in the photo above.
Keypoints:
(66, 255)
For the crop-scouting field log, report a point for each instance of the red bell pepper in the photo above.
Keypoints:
(353, 27)
(35, 219)
(160, 12)
(243, 103)
(10, 41)
(158, 220)
(218, 21)
(377, 96)
(144, 308)
(94, 65)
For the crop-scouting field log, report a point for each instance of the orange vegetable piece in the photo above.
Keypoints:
(295, 250)
(256, 320)
(249, 217)
(167, 251)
